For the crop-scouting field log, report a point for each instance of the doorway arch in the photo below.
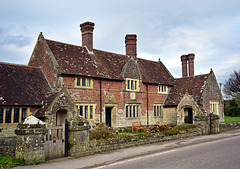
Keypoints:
(61, 115)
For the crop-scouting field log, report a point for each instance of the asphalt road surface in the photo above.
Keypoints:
(218, 154)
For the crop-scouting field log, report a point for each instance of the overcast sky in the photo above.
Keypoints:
(165, 29)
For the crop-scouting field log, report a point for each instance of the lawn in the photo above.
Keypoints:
(229, 119)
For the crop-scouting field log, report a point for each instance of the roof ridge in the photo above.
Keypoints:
(191, 76)
(19, 65)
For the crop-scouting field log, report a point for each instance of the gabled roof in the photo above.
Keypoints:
(193, 85)
(76, 60)
(22, 85)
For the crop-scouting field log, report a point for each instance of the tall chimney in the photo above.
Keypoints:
(131, 45)
(87, 34)
(191, 57)
(184, 59)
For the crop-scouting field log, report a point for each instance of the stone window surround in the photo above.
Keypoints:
(80, 80)
(214, 107)
(88, 110)
(158, 110)
(3, 116)
(132, 110)
(163, 89)
(132, 84)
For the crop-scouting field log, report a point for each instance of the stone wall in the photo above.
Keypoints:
(8, 145)
(229, 126)
(97, 146)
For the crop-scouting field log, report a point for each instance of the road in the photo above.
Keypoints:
(220, 154)
(208, 151)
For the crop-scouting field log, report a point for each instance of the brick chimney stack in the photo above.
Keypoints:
(184, 59)
(87, 34)
(191, 57)
(131, 45)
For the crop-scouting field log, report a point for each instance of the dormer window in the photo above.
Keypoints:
(132, 84)
(83, 82)
(162, 89)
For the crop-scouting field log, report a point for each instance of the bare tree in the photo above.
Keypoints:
(232, 86)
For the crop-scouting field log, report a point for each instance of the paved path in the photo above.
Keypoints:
(128, 153)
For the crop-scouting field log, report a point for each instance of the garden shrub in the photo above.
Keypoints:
(101, 131)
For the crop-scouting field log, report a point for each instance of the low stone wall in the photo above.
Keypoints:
(97, 146)
(229, 126)
(8, 145)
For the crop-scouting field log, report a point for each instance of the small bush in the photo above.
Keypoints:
(184, 126)
(159, 127)
(101, 131)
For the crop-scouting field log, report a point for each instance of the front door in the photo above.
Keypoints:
(108, 116)
(190, 115)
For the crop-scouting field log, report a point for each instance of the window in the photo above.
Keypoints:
(87, 111)
(132, 84)
(132, 110)
(12, 114)
(162, 89)
(214, 107)
(83, 82)
(158, 112)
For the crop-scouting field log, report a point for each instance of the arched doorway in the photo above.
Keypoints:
(61, 115)
(188, 118)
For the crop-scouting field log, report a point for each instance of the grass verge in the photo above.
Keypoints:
(229, 119)
(8, 162)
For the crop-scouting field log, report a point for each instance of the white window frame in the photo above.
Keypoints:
(132, 110)
(85, 109)
(158, 110)
(83, 82)
(163, 89)
(132, 84)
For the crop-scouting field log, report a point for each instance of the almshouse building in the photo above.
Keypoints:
(118, 89)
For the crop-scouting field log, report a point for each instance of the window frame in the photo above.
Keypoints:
(163, 89)
(12, 120)
(90, 111)
(158, 110)
(214, 107)
(132, 110)
(80, 80)
(132, 84)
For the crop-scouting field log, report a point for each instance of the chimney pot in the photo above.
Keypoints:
(131, 45)
(87, 34)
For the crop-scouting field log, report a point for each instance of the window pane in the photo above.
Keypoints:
(128, 84)
(1, 115)
(24, 113)
(132, 85)
(16, 115)
(126, 111)
(91, 112)
(78, 81)
(160, 110)
(8, 115)
(135, 86)
(88, 82)
(83, 82)
(137, 111)
(86, 112)
(133, 111)
(81, 110)
(154, 110)
(157, 110)
(130, 107)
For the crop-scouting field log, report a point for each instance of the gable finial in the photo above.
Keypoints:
(159, 60)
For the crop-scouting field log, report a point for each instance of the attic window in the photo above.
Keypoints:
(132, 84)
(162, 89)
(83, 82)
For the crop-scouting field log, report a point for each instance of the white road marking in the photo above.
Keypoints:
(134, 159)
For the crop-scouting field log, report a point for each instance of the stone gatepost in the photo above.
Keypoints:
(214, 123)
(31, 135)
(78, 135)
(202, 121)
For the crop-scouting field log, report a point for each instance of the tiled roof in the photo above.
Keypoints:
(76, 60)
(22, 85)
(193, 85)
